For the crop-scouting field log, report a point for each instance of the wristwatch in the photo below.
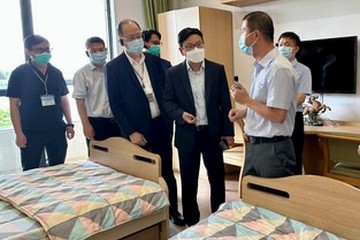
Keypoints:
(70, 125)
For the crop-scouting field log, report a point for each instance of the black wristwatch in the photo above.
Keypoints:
(70, 125)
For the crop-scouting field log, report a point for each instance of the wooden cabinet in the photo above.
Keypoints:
(341, 160)
(242, 3)
(216, 26)
(331, 150)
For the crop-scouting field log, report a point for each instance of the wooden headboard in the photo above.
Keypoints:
(126, 157)
(318, 201)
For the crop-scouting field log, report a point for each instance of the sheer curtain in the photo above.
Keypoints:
(152, 8)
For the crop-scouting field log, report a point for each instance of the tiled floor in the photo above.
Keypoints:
(204, 196)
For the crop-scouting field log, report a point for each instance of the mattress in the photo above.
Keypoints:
(73, 201)
(239, 220)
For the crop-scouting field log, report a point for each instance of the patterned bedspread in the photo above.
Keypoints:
(239, 220)
(16, 225)
(74, 201)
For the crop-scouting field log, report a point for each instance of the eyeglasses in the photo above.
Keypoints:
(132, 37)
(156, 43)
(41, 50)
(191, 46)
(97, 50)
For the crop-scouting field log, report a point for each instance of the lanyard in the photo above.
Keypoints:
(141, 77)
(42, 80)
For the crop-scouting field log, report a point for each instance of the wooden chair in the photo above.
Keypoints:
(236, 154)
(341, 160)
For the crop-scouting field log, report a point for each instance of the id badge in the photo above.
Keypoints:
(47, 100)
(150, 97)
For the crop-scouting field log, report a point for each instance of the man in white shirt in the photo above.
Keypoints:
(91, 96)
(288, 46)
(271, 103)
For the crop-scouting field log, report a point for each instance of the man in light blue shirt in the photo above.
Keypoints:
(91, 97)
(288, 46)
(271, 103)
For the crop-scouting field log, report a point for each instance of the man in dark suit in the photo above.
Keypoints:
(152, 44)
(197, 97)
(135, 89)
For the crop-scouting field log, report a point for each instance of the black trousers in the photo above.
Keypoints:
(272, 159)
(298, 141)
(159, 142)
(189, 171)
(104, 128)
(53, 141)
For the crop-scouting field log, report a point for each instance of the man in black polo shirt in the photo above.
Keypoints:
(38, 102)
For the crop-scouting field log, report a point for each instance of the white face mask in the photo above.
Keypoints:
(136, 46)
(196, 55)
(286, 51)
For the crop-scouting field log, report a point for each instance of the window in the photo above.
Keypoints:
(66, 24)
(12, 55)
(11, 50)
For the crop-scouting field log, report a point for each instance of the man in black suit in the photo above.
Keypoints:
(152, 44)
(197, 97)
(135, 89)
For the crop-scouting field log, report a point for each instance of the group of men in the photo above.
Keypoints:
(139, 95)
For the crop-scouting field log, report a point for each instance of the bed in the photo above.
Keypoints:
(118, 194)
(296, 207)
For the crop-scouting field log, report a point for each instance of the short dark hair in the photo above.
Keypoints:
(186, 33)
(146, 34)
(32, 40)
(292, 36)
(261, 21)
(92, 40)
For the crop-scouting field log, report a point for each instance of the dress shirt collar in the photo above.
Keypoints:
(132, 61)
(294, 62)
(92, 66)
(190, 69)
(267, 59)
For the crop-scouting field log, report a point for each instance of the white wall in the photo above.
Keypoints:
(311, 20)
(128, 9)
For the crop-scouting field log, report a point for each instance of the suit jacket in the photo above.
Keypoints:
(127, 98)
(178, 98)
(166, 64)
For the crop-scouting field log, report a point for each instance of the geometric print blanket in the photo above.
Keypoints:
(242, 221)
(15, 225)
(75, 201)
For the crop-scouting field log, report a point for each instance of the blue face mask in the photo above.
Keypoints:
(42, 58)
(136, 46)
(286, 51)
(98, 57)
(248, 50)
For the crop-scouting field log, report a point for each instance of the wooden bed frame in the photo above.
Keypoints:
(123, 156)
(318, 201)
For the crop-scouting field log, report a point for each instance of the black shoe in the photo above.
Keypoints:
(177, 218)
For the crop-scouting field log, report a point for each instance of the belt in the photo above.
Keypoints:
(103, 119)
(200, 128)
(259, 140)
